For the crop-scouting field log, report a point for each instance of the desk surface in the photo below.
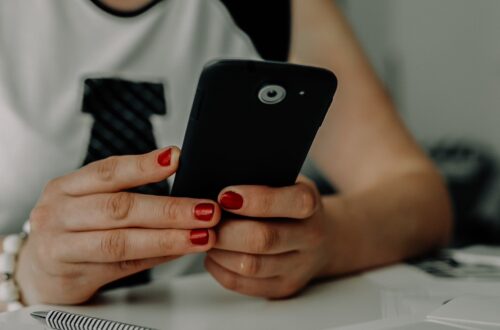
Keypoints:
(198, 302)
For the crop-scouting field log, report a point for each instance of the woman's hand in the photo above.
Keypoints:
(87, 232)
(277, 256)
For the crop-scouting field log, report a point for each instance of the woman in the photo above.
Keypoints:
(61, 64)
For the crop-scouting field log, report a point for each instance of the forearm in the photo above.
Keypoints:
(362, 136)
(400, 217)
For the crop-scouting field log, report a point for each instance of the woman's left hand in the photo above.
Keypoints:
(285, 243)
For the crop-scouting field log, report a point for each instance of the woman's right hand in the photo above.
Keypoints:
(86, 231)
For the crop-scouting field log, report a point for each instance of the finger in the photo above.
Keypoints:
(258, 237)
(273, 287)
(118, 270)
(119, 173)
(130, 244)
(299, 201)
(128, 210)
(255, 265)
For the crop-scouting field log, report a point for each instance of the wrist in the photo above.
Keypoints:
(350, 247)
(334, 210)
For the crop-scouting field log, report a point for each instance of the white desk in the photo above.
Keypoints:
(198, 302)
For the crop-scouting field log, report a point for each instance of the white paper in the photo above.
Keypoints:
(18, 326)
(20, 320)
(478, 255)
(470, 310)
(406, 323)
(399, 303)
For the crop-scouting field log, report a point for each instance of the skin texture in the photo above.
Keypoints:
(86, 232)
(392, 203)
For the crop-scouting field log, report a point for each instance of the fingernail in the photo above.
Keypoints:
(199, 236)
(204, 211)
(165, 157)
(231, 200)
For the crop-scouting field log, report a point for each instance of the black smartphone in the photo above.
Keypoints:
(252, 122)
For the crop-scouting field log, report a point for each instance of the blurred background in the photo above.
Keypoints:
(440, 60)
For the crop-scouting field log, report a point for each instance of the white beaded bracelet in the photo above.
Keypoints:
(9, 292)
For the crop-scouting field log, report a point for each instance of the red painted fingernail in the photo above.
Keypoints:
(231, 200)
(199, 236)
(204, 211)
(165, 157)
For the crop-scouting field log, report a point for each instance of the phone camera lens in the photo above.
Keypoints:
(272, 94)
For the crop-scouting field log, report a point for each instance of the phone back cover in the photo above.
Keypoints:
(234, 139)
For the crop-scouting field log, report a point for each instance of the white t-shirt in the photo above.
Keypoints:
(49, 47)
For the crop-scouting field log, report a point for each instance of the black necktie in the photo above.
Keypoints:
(122, 111)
